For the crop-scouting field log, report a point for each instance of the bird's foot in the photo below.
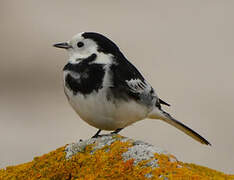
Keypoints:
(97, 134)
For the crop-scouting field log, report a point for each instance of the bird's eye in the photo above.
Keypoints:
(80, 44)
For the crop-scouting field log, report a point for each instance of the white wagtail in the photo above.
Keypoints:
(106, 90)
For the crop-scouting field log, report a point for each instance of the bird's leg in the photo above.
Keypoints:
(97, 134)
(116, 131)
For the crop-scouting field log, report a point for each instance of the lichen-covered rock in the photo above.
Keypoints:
(109, 157)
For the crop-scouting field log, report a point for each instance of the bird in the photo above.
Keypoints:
(107, 91)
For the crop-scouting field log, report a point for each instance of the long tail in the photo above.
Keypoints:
(160, 114)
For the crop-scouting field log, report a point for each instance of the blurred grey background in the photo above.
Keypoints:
(185, 49)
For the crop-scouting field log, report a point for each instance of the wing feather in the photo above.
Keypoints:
(129, 83)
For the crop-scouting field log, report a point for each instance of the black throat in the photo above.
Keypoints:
(84, 77)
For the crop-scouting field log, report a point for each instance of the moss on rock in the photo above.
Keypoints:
(108, 157)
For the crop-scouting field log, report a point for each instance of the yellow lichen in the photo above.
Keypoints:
(105, 164)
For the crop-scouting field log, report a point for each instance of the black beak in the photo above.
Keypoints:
(64, 45)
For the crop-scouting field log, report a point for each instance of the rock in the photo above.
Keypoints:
(109, 157)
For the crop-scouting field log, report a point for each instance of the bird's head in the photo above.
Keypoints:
(85, 44)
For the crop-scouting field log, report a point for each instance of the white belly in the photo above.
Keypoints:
(103, 114)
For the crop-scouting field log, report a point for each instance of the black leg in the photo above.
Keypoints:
(116, 131)
(97, 134)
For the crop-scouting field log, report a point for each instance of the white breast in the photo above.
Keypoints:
(104, 114)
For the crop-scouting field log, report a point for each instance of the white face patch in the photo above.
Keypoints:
(76, 54)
